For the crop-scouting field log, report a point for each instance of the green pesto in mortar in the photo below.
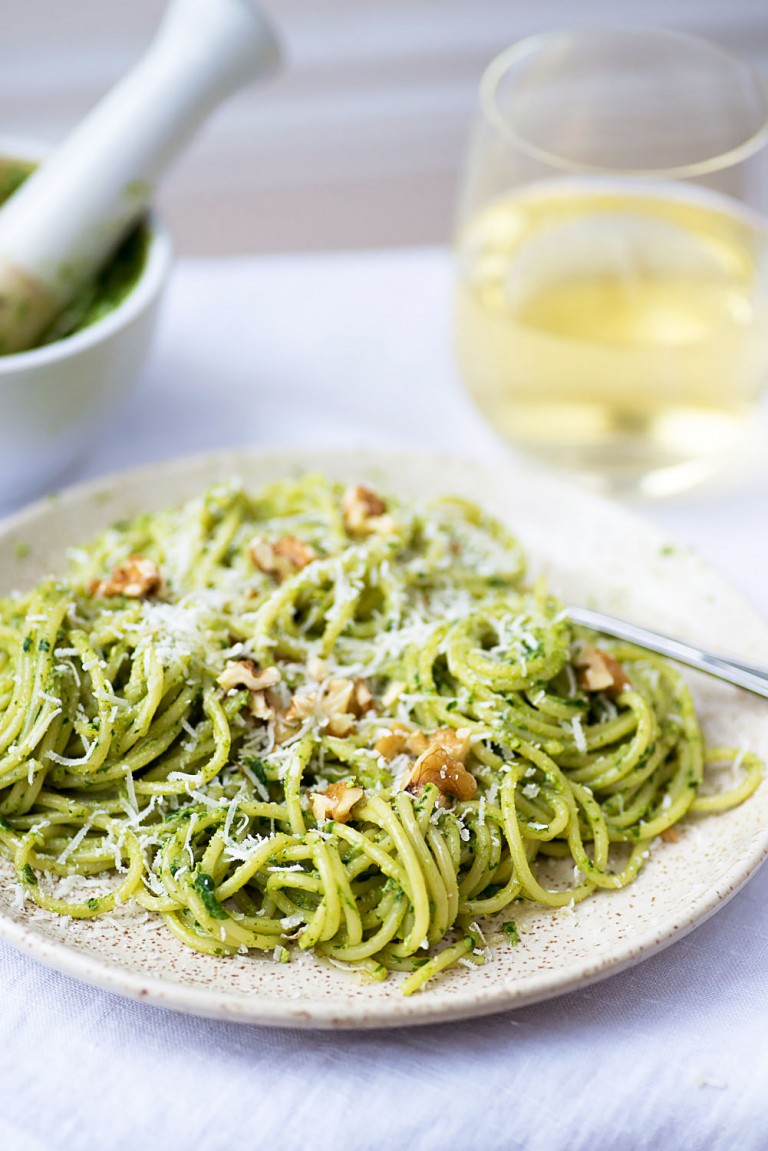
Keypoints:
(108, 289)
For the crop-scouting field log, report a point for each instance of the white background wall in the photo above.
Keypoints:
(360, 141)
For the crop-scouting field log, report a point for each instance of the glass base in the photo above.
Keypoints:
(630, 468)
(672, 451)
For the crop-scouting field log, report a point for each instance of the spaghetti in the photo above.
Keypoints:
(307, 718)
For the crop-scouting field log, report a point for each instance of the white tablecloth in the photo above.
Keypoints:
(672, 1054)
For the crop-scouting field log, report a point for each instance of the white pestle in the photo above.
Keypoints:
(69, 215)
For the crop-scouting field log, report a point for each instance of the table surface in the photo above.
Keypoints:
(355, 349)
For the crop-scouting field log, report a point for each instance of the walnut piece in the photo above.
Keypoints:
(392, 742)
(283, 558)
(340, 723)
(244, 673)
(301, 708)
(337, 696)
(263, 705)
(336, 802)
(137, 578)
(262, 702)
(600, 671)
(362, 697)
(449, 775)
(339, 703)
(400, 739)
(670, 835)
(454, 740)
(417, 743)
(364, 512)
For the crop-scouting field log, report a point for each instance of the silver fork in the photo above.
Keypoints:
(751, 676)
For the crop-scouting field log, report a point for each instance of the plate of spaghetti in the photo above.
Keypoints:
(306, 738)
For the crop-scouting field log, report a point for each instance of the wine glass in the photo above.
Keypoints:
(612, 298)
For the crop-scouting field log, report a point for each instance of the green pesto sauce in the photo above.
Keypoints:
(108, 289)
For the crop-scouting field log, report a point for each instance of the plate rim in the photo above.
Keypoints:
(339, 1011)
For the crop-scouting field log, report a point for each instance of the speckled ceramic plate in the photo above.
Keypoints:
(591, 551)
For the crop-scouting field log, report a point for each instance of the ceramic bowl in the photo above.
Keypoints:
(55, 399)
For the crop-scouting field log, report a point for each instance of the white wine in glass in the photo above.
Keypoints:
(612, 298)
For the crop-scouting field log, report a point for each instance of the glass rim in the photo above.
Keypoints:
(501, 64)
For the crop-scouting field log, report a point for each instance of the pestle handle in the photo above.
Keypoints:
(67, 218)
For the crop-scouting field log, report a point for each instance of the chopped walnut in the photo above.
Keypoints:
(244, 673)
(362, 698)
(364, 512)
(400, 739)
(136, 578)
(600, 671)
(283, 558)
(449, 775)
(287, 723)
(336, 802)
(453, 740)
(393, 741)
(263, 705)
(262, 702)
(417, 743)
(337, 694)
(340, 724)
(301, 708)
(670, 835)
(336, 704)
(359, 504)
(339, 702)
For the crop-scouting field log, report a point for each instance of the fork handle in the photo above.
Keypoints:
(734, 670)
